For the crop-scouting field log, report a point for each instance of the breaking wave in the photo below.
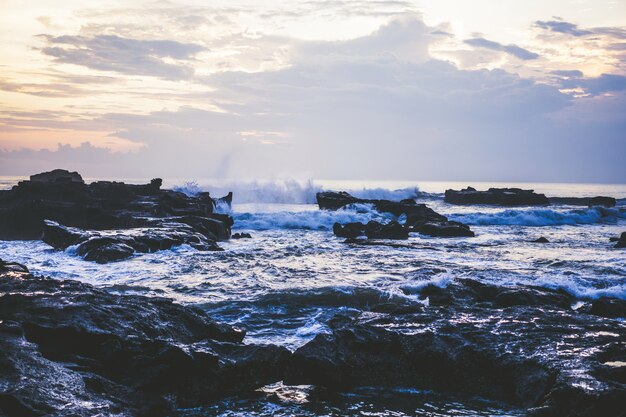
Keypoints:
(288, 191)
(541, 217)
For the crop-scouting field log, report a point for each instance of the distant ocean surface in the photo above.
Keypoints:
(285, 283)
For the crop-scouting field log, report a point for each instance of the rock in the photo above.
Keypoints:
(57, 175)
(621, 241)
(114, 245)
(511, 345)
(63, 197)
(373, 230)
(68, 349)
(391, 230)
(419, 218)
(608, 307)
(541, 240)
(584, 201)
(496, 196)
(349, 230)
(241, 236)
(446, 229)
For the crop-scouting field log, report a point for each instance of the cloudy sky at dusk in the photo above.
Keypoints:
(513, 90)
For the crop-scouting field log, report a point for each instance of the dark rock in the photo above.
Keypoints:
(446, 229)
(621, 241)
(101, 205)
(373, 230)
(496, 196)
(608, 307)
(520, 345)
(541, 240)
(68, 349)
(391, 230)
(349, 230)
(331, 200)
(57, 175)
(241, 236)
(584, 201)
(108, 246)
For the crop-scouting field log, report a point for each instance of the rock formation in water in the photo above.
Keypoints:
(496, 196)
(419, 218)
(116, 219)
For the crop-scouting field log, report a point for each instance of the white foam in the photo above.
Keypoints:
(308, 220)
(541, 217)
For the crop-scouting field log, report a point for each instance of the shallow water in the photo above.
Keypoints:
(285, 283)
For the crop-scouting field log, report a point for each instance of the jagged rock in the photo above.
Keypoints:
(100, 205)
(519, 345)
(57, 175)
(496, 196)
(68, 349)
(446, 229)
(419, 218)
(108, 246)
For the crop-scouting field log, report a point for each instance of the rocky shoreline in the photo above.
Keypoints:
(69, 349)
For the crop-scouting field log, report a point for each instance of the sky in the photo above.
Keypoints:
(513, 90)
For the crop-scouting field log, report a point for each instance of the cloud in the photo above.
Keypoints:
(561, 26)
(567, 73)
(123, 55)
(514, 50)
(605, 83)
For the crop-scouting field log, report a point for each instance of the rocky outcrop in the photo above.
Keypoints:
(496, 196)
(620, 242)
(108, 246)
(584, 201)
(373, 230)
(68, 349)
(419, 218)
(61, 197)
(57, 175)
(518, 346)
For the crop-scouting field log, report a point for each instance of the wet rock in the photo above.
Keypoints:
(108, 246)
(332, 200)
(349, 230)
(584, 201)
(608, 307)
(63, 197)
(521, 346)
(446, 229)
(496, 196)
(620, 241)
(373, 230)
(241, 236)
(541, 240)
(68, 349)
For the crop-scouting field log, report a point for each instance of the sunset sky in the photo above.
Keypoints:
(513, 90)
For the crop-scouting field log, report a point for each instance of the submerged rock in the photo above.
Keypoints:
(541, 240)
(446, 229)
(496, 196)
(373, 230)
(68, 349)
(241, 235)
(620, 241)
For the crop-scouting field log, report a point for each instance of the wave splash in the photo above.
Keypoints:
(541, 217)
(287, 191)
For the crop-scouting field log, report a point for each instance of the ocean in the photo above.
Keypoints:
(285, 283)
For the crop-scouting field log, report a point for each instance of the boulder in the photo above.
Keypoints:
(584, 201)
(620, 242)
(446, 229)
(241, 235)
(373, 230)
(496, 196)
(69, 349)
(541, 240)
(349, 230)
